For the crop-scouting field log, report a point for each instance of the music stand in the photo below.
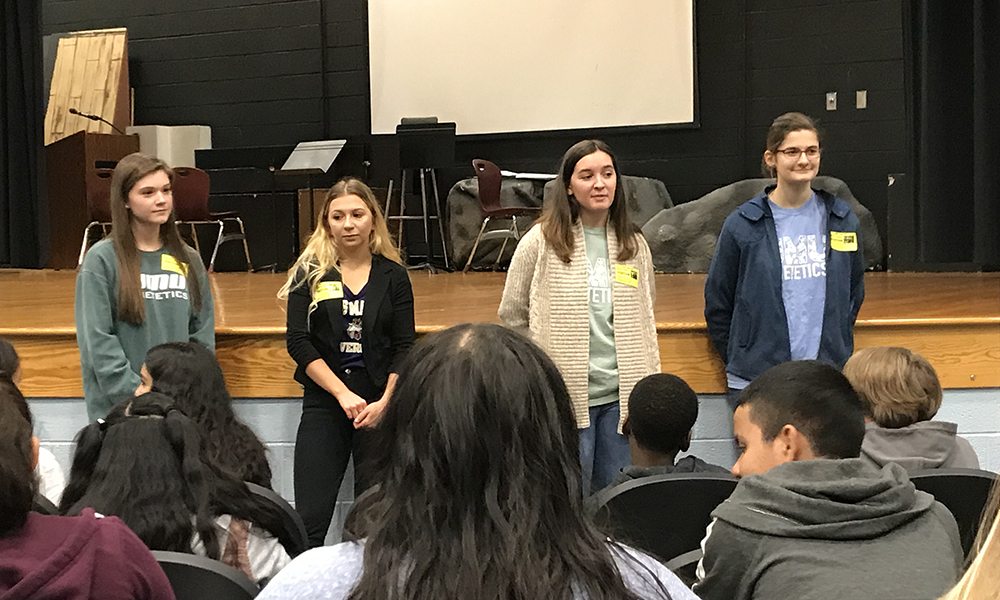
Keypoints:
(309, 158)
(424, 146)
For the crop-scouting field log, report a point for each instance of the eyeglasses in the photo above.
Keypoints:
(794, 153)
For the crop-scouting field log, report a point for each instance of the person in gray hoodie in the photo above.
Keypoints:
(900, 394)
(809, 519)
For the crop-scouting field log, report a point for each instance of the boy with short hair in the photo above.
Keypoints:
(662, 409)
(812, 521)
(900, 394)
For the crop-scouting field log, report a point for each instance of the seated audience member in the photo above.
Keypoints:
(50, 475)
(142, 464)
(982, 578)
(189, 373)
(811, 520)
(66, 558)
(900, 394)
(662, 409)
(481, 491)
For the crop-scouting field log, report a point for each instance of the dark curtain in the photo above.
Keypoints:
(953, 54)
(23, 217)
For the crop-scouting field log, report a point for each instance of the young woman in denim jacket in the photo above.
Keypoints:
(786, 281)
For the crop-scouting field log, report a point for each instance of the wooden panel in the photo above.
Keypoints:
(964, 356)
(952, 319)
(87, 76)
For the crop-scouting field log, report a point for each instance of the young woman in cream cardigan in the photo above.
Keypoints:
(581, 286)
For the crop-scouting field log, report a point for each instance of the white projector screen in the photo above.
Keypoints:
(531, 65)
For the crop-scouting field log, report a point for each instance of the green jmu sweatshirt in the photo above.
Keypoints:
(111, 350)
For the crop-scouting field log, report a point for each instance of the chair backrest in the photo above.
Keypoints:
(295, 530)
(99, 195)
(43, 505)
(201, 578)
(964, 492)
(663, 515)
(191, 189)
(489, 178)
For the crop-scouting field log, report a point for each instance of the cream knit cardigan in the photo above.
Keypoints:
(548, 300)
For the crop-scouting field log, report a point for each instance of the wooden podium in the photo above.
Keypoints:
(71, 165)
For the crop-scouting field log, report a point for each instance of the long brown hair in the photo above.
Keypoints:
(131, 305)
(321, 254)
(561, 212)
(17, 478)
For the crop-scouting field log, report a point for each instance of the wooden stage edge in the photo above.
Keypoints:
(951, 318)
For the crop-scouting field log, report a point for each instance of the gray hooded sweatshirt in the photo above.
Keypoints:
(923, 445)
(829, 529)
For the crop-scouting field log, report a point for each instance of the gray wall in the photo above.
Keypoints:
(58, 419)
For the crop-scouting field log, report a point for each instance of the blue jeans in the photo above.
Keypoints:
(603, 451)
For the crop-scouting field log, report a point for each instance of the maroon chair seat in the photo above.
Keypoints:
(490, 179)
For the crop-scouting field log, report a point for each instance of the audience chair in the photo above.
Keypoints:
(294, 528)
(98, 206)
(200, 578)
(191, 190)
(963, 491)
(43, 506)
(663, 515)
(489, 178)
(685, 566)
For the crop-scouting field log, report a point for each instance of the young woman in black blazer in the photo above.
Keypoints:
(350, 323)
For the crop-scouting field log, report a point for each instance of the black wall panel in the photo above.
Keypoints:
(276, 72)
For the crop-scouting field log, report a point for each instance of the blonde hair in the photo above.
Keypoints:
(320, 254)
(897, 387)
(981, 580)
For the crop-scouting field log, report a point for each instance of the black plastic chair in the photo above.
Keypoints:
(963, 491)
(200, 578)
(663, 515)
(43, 506)
(295, 530)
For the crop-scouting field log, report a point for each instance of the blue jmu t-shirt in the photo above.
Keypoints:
(802, 240)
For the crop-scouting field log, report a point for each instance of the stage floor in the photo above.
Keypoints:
(952, 318)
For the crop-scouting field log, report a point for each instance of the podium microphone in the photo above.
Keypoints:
(74, 111)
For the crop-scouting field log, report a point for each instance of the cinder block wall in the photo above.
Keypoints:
(57, 420)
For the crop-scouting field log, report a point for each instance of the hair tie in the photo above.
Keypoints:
(102, 425)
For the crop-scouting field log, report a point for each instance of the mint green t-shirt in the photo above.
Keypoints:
(602, 383)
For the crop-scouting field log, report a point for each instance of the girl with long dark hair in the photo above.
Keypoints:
(350, 323)
(582, 279)
(45, 556)
(787, 278)
(190, 374)
(481, 494)
(142, 463)
(142, 287)
(50, 475)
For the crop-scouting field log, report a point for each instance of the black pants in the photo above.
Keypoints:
(323, 446)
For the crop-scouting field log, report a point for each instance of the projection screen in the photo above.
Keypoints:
(531, 65)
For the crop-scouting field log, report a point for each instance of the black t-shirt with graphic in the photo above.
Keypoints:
(351, 356)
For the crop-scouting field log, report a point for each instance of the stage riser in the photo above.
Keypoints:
(258, 366)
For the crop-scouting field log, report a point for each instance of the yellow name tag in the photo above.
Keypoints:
(169, 263)
(627, 275)
(844, 241)
(329, 290)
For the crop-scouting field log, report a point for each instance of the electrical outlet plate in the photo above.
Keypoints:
(861, 99)
(831, 101)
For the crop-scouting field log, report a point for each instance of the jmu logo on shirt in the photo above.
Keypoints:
(599, 282)
(803, 258)
(163, 286)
